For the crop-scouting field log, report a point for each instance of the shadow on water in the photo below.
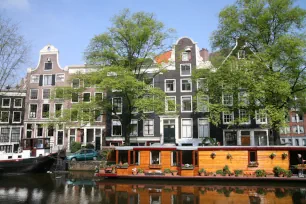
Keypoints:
(81, 187)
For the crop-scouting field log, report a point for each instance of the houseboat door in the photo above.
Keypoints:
(169, 131)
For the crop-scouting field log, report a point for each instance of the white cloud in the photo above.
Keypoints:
(15, 4)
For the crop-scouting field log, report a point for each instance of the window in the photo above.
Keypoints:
(202, 104)
(170, 104)
(186, 56)
(60, 78)
(5, 116)
(134, 128)
(46, 93)
(202, 84)
(261, 117)
(74, 114)
(241, 54)
(18, 103)
(47, 80)
(244, 116)
(86, 97)
(33, 110)
(58, 110)
(186, 85)
(187, 157)
(60, 135)
(148, 127)
(39, 130)
(45, 110)
(34, 79)
(297, 117)
(155, 199)
(304, 142)
(187, 128)
(185, 69)
(173, 158)
(33, 94)
(170, 85)
(284, 130)
(134, 156)
(15, 134)
(98, 97)
(243, 98)
(75, 83)
(297, 129)
(253, 158)
(6, 102)
(50, 131)
(155, 157)
(16, 116)
(117, 105)
(98, 115)
(186, 103)
(297, 142)
(87, 83)
(301, 129)
(48, 65)
(149, 83)
(227, 99)
(5, 135)
(75, 98)
(228, 117)
(59, 93)
(203, 127)
(230, 138)
(116, 128)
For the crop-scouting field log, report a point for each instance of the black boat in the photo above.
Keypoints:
(34, 156)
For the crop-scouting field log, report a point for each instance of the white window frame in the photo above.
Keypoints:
(241, 52)
(3, 102)
(231, 113)
(249, 121)
(133, 120)
(166, 103)
(19, 118)
(31, 94)
(174, 85)
(59, 80)
(30, 110)
(8, 118)
(47, 70)
(258, 120)
(100, 116)
(230, 97)
(144, 127)
(98, 93)
(32, 80)
(205, 82)
(159, 158)
(243, 97)
(55, 109)
(206, 119)
(44, 80)
(181, 69)
(199, 104)
(42, 93)
(186, 54)
(72, 83)
(75, 101)
(120, 105)
(191, 125)
(113, 126)
(20, 103)
(42, 110)
(89, 97)
(184, 96)
(190, 82)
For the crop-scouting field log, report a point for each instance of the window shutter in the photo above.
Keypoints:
(53, 79)
(40, 80)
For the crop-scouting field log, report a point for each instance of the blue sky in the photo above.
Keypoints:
(70, 24)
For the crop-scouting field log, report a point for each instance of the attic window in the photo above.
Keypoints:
(241, 54)
(48, 64)
(186, 56)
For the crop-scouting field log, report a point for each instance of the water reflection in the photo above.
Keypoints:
(81, 188)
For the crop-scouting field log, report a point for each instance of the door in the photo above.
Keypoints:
(98, 143)
(169, 133)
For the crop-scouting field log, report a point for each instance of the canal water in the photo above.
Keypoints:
(85, 189)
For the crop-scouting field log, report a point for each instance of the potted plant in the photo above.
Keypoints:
(219, 172)
(174, 172)
(260, 173)
(167, 172)
(272, 155)
(202, 172)
(134, 171)
(278, 171)
(288, 173)
(187, 166)
(284, 155)
(226, 170)
(140, 172)
(229, 156)
(213, 155)
(238, 172)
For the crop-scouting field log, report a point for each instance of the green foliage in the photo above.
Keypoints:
(260, 173)
(219, 171)
(139, 170)
(238, 172)
(278, 171)
(75, 146)
(89, 146)
(167, 170)
(202, 170)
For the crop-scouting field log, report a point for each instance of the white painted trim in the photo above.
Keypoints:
(199, 126)
(6, 106)
(113, 126)
(19, 117)
(233, 118)
(43, 81)
(174, 85)
(42, 93)
(166, 103)
(193, 42)
(200, 111)
(79, 83)
(48, 70)
(198, 80)
(258, 120)
(31, 94)
(181, 69)
(232, 100)
(136, 127)
(144, 127)
(159, 159)
(30, 110)
(31, 81)
(182, 103)
(21, 102)
(190, 119)
(89, 97)
(120, 105)
(42, 105)
(59, 74)
(188, 79)
(8, 118)
(54, 110)
(75, 101)
(245, 123)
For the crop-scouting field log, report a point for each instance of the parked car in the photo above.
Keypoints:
(84, 154)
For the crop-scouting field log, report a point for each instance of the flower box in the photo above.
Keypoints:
(155, 166)
(187, 168)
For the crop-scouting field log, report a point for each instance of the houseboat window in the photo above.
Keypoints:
(187, 157)
(19, 156)
(10, 157)
(304, 142)
(173, 158)
(40, 143)
(5, 135)
(155, 199)
(188, 198)
(6, 148)
(123, 156)
(155, 157)
(196, 158)
(134, 157)
(252, 156)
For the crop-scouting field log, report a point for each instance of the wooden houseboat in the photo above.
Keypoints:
(189, 161)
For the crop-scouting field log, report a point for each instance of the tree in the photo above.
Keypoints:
(123, 59)
(269, 33)
(13, 52)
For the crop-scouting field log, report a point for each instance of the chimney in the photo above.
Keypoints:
(204, 54)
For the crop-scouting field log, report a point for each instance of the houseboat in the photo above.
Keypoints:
(195, 162)
(34, 156)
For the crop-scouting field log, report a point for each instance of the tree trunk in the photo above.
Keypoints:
(275, 136)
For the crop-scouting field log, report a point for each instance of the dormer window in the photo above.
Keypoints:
(241, 54)
(48, 64)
